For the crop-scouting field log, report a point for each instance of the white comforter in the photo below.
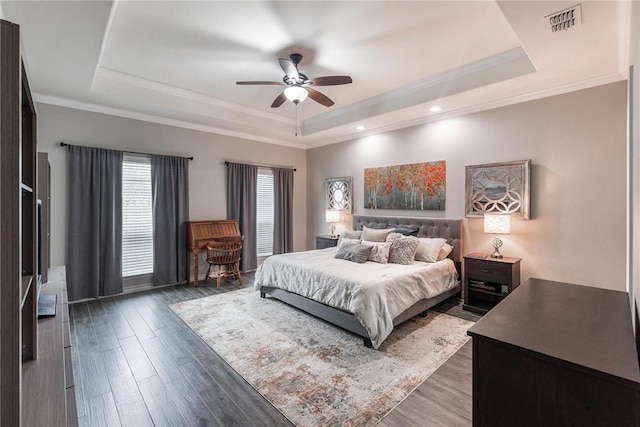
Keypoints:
(374, 293)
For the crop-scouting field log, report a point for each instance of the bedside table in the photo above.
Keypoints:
(324, 242)
(487, 281)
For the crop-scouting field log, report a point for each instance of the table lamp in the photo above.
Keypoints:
(497, 224)
(332, 216)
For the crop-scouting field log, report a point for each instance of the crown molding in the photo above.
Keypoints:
(309, 142)
(103, 45)
(85, 106)
(518, 99)
(143, 83)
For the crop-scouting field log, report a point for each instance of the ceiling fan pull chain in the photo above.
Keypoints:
(296, 119)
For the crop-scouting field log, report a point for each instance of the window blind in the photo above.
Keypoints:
(265, 213)
(137, 223)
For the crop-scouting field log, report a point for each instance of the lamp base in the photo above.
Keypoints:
(332, 230)
(496, 243)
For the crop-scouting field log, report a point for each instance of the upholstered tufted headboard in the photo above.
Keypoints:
(450, 229)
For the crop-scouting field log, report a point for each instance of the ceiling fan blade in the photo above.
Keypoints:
(331, 80)
(289, 68)
(259, 82)
(279, 100)
(319, 98)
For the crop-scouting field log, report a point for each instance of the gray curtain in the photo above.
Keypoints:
(283, 210)
(94, 237)
(170, 195)
(242, 186)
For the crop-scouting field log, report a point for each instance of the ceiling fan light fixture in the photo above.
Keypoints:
(296, 94)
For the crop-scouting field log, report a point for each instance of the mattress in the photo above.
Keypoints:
(374, 293)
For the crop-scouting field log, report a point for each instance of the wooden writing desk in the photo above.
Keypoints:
(199, 233)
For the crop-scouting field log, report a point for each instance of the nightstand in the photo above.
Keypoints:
(324, 242)
(487, 281)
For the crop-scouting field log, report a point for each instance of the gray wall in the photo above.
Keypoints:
(207, 173)
(576, 143)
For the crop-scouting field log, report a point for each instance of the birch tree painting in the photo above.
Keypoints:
(416, 186)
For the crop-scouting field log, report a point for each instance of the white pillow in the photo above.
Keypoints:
(429, 249)
(445, 251)
(375, 235)
(379, 252)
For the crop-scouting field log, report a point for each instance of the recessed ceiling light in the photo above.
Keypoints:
(435, 109)
(360, 127)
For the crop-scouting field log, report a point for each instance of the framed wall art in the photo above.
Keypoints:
(500, 188)
(339, 194)
(417, 186)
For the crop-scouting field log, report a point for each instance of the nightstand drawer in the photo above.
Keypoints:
(324, 242)
(489, 271)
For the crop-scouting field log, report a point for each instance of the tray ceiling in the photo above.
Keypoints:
(177, 62)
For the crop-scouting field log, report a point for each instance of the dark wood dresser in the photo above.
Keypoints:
(556, 354)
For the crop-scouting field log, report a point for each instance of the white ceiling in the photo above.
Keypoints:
(177, 62)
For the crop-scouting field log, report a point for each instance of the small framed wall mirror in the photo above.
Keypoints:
(339, 194)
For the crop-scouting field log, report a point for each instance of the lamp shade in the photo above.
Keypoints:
(497, 224)
(296, 94)
(332, 215)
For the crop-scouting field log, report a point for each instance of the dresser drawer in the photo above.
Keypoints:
(488, 271)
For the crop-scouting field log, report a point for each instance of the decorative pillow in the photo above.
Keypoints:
(403, 250)
(429, 249)
(407, 231)
(373, 235)
(352, 234)
(353, 252)
(379, 251)
(445, 251)
(393, 236)
(344, 240)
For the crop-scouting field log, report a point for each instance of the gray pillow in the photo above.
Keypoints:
(344, 240)
(403, 250)
(352, 234)
(373, 235)
(354, 252)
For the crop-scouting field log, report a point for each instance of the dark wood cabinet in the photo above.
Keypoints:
(323, 242)
(18, 282)
(487, 281)
(35, 374)
(556, 354)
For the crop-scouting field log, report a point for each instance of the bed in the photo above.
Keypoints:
(351, 293)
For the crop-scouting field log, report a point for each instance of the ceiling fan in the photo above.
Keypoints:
(299, 85)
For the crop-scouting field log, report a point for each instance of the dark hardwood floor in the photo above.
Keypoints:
(137, 364)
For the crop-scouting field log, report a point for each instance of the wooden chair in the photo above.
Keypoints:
(225, 252)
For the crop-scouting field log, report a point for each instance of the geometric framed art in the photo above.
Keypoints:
(416, 186)
(500, 188)
(339, 194)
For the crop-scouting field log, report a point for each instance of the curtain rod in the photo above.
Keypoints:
(226, 163)
(64, 144)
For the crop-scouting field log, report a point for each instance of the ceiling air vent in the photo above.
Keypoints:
(565, 19)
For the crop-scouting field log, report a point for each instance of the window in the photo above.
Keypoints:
(137, 223)
(265, 213)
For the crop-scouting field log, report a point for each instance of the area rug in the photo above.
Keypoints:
(315, 373)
